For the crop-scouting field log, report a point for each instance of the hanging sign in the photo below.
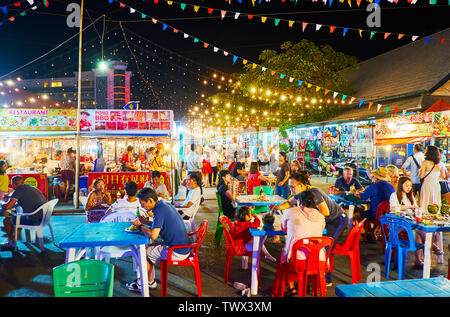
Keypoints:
(401, 129)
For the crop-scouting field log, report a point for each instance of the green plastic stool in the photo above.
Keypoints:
(83, 278)
(267, 190)
(219, 226)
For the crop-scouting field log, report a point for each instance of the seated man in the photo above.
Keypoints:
(343, 183)
(239, 171)
(379, 191)
(192, 202)
(28, 199)
(157, 186)
(129, 203)
(168, 225)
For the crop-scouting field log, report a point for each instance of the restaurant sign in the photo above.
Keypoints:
(102, 121)
(412, 126)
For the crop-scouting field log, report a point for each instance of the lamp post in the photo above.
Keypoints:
(77, 162)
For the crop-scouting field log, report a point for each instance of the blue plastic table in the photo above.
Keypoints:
(93, 235)
(351, 207)
(430, 287)
(244, 200)
(429, 230)
(257, 246)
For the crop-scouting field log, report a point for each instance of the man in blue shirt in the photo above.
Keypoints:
(167, 224)
(346, 181)
(379, 191)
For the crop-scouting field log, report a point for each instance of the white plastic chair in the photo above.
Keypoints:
(108, 252)
(47, 210)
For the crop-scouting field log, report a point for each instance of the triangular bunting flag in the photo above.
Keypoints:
(291, 79)
(414, 37)
(282, 76)
(378, 107)
(309, 85)
(277, 21)
(329, 4)
(304, 24)
(244, 61)
(334, 95)
(263, 69)
(358, 2)
(370, 104)
(300, 82)
(318, 26)
(360, 103)
(216, 49)
(31, 2)
(4, 9)
(332, 29)
(154, 21)
(164, 27)
(326, 91)
(386, 35)
(317, 88)
(225, 53)
(185, 35)
(235, 59)
(253, 2)
(395, 111)
(343, 97)
(121, 5)
(132, 10)
(344, 31)
(372, 34)
(205, 45)
(352, 99)
(236, 15)
(46, 3)
(168, 2)
(291, 23)
(23, 13)
(223, 13)
(400, 36)
(263, 19)
(17, 4)
(175, 31)
(196, 8)
(143, 16)
(272, 72)
(254, 65)
(349, 3)
(360, 32)
(11, 19)
(387, 109)
(210, 10)
(427, 39)
(249, 16)
(433, 2)
(195, 40)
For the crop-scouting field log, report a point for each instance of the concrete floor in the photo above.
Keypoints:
(27, 272)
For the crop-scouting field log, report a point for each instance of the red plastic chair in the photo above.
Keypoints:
(191, 260)
(232, 250)
(382, 209)
(350, 248)
(310, 269)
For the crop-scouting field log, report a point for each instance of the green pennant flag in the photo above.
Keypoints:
(23, 13)
(277, 21)
(372, 33)
(343, 97)
(182, 5)
(387, 109)
(433, 2)
(143, 15)
(195, 40)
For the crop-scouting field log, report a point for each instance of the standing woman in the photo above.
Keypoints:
(206, 167)
(430, 172)
(283, 174)
(4, 179)
(67, 171)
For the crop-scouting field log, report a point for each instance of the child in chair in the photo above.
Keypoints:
(240, 233)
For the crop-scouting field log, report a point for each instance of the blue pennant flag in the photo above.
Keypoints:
(345, 31)
(300, 82)
(361, 102)
(427, 39)
(235, 59)
(240, 1)
(329, 4)
(4, 9)
(132, 105)
(110, 1)
(164, 27)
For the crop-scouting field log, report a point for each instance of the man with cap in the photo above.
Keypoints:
(379, 191)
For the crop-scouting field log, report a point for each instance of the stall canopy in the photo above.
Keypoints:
(403, 130)
(439, 106)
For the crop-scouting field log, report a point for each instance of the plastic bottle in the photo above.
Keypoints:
(418, 215)
(138, 213)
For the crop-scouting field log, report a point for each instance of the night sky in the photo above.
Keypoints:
(172, 69)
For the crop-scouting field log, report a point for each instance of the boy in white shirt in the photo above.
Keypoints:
(129, 203)
(157, 186)
(192, 202)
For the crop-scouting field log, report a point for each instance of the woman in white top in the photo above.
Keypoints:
(403, 199)
(432, 171)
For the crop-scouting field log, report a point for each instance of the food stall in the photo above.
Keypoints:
(441, 127)
(32, 137)
(395, 137)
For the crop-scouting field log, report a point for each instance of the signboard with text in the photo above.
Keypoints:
(38, 120)
(412, 126)
(36, 180)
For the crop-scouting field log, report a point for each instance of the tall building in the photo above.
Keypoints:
(100, 89)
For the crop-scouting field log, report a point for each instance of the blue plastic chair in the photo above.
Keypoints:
(395, 227)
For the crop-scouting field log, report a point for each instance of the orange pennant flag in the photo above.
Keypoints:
(370, 104)
(400, 36)
(326, 91)
(350, 3)
(272, 72)
(332, 29)
(358, 2)
(386, 35)
(205, 45)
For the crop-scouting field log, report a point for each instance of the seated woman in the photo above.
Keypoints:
(255, 178)
(129, 203)
(99, 198)
(226, 195)
(300, 222)
(403, 199)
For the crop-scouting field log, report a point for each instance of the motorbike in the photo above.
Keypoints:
(312, 168)
(326, 167)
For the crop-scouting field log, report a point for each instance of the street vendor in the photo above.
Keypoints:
(127, 160)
